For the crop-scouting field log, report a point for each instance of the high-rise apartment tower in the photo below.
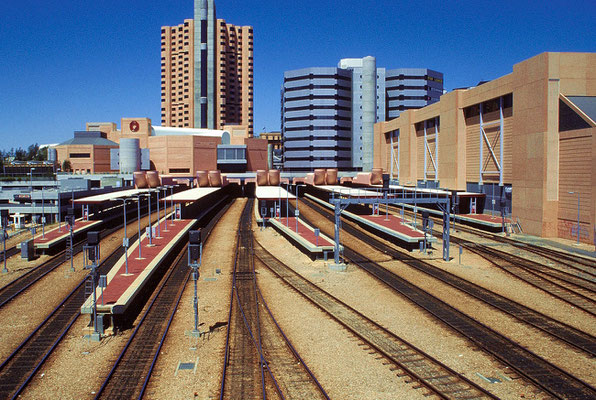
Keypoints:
(206, 72)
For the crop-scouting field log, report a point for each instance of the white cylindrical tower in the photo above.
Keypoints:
(130, 155)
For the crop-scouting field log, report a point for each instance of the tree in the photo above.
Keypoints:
(41, 155)
(66, 166)
(32, 151)
(20, 154)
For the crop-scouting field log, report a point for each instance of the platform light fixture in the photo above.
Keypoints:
(70, 220)
(165, 206)
(125, 239)
(4, 217)
(92, 249)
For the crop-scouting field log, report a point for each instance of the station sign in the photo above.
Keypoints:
(22, 198)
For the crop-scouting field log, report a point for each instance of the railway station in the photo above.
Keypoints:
(307, 237)
(456, 259)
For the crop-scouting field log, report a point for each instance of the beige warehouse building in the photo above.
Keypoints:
(531, 133)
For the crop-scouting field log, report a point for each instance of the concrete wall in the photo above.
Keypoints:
(256, 154)
(97, 161)
(186, 154)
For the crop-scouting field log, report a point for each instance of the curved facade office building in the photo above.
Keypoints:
(317, 119)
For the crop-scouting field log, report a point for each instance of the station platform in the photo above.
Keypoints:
(346, 191)
(122, 288)
(191, 195)
(305, 238)
(393, 228)
(482, 221)
(272, 193)
(58, 236)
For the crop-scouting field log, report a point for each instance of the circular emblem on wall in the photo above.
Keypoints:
(134, 126)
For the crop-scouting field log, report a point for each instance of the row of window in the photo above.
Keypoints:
(318, 128)
(311, 158)
(403, 87)
(314, 138)
(80, 155)
(318, 97)
(489, 106)
(313, 117)
(402, 77)
(318, 148)
(314, 76)
(402, 97)
(311, 87)
(317, 107)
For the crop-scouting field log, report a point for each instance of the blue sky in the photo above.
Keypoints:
(68, 62)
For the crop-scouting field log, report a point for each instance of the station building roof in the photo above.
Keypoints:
(89, 138)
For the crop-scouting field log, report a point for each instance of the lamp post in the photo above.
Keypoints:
(139, 223)
(158, 215)
(279, 194)
(172, 203)
(287, 205)
(297, 187)
(150, 225)
(165, 207)
(31, 186)
(4, 216)
(43, 215)
(59, 210)
(125, 240)
(31, 178)
(577, 214)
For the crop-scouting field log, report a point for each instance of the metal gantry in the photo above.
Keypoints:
(484, 140)
(394, 154)
(392, 196)
(429, 154)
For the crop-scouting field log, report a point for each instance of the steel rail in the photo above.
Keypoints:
(552, 254)
(564, 332)
(49, 334)
(292, 349)
(17, 286)
(417, 364)
(560, 384)
(168, 292)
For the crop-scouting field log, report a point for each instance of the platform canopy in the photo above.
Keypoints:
(272, 193)
(111, 196)
(349, 191)
(191, 195)
(420, 190)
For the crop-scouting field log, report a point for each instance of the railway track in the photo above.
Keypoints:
(130, 374)
(438, 379)
(11, 251)
(572, 283)
(543, 374)
(572, 262)
(244, 369)
(259, 360)
(566, 333)
(19, 285)
(23, 363)
(578, 291)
